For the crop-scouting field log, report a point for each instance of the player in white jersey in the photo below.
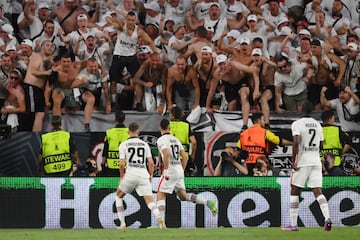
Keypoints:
(174, 158)
(307, 169)
(135, 154)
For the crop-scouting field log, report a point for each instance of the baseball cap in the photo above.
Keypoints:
(315, 42)
(145, 49)
(177, 26)
(244, 40)
(153, 5)
(90, 34)
(304, 32)
(27, 42)
(155, 24)
(256, 51)
(10, 47)
(233, 33)
(210, 28)
(7, 28)
(352, 46)
(215, 4)
(285, 31)
(43, 5)
(221, 58)
(81, 16)
(206, 49)
(282, 20)
(168, 19)
(251, 17)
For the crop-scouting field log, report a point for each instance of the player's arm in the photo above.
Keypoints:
(122, 167)
(295, 151)
(183, 158)
(122, 160)
(166, 157)
(150, 166)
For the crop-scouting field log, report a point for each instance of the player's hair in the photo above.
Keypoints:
(133, 127)
(256, 116)
(164, 124)
(307, 108)
(326, 115)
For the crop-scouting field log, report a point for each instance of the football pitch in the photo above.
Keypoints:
(315, 233)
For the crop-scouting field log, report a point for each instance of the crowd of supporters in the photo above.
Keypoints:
(263, 56)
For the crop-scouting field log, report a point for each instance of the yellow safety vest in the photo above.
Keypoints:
(181, 131)
(332, 143)
(114, 137)
(56, 151)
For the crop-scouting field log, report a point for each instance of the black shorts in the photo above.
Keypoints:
(34, 98)
(232, 90)
(96, 93)
(117, 66)
(314, 93)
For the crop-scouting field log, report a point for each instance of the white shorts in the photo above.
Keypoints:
(171, 185)
(141, 185)
(311, 175)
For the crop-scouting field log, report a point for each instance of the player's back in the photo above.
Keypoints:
(174, 145)
(310, 135)
(136, 152)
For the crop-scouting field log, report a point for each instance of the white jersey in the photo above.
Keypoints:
(126, 45)
(168, 141)
(310, 135)
(136, 152)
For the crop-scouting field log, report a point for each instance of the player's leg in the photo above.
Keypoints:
(315, 183)
(120, 208)
(155, 210)
(297, 182)
(191, 197)
(161, 203)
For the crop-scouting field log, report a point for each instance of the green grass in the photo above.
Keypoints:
(316, 233)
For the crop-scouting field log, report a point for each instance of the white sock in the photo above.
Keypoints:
(154, 209)
(294, 209)
(120, 210)
(190, 197)
(323, 206)
(162, 206)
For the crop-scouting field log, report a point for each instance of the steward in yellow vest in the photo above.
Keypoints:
(336, 141)
(182, 131)
(58, 152)
(114, 136)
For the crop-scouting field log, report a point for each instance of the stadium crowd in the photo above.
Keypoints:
(248, 56)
